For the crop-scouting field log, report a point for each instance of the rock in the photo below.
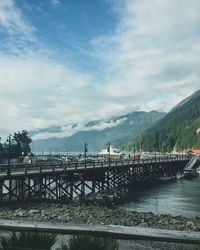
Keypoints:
(18, 210)
(22, 214)
(143, 224)
(34, 211)
(191, 225)
(95, 214)
(43, 213)
(53, 216)
(66, 218)
(90, 219)
(58, 205)
(18, 213)
(174, 221)
(60, 218)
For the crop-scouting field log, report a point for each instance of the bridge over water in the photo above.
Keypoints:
(66, 181)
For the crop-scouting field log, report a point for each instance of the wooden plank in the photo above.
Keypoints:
(154, 234)
(32, 170)
(109, 231)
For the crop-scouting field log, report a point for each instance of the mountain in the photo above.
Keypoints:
(179, 130)
(116, 130)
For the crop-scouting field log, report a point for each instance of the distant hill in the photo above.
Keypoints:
(178, 130)
(117, 130)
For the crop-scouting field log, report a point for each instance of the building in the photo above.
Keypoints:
(194, 152)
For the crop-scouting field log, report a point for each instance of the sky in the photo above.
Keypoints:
(69, 61)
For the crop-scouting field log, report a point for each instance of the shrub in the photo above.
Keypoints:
(27, 240)
(83, 242)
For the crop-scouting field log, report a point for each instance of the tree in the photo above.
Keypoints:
(16, 145)
(22, 140)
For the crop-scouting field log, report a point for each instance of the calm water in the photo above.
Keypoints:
(181, 197)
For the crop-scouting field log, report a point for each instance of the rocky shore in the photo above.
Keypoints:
(95, 214)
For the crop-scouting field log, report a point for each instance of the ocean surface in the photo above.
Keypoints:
(178, 197)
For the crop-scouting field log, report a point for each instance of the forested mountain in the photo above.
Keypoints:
(178, 130)
(117, 131)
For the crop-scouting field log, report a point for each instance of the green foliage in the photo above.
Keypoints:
(28, 240)
(18, 144)
(84, 242)
(22, 140)
(177, 130)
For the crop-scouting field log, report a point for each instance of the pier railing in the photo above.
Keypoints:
(55, 167)
(108, 232)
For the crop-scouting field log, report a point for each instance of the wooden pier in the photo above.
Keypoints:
(66, 181)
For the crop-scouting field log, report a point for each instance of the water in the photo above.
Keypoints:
(181, 197)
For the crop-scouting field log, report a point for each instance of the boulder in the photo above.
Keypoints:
(191, 225)
(34, 211)
(143, 224)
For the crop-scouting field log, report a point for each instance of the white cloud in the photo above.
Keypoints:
(12, 20)
(154, 51)
(69, 130)
(151, 61)
(30, 92)
(55, 3)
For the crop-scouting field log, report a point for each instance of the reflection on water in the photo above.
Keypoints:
(181, 197)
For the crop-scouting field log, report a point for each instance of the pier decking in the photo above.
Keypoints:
(65, 181)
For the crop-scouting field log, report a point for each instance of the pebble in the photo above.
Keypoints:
(95, 214)
(34, 211)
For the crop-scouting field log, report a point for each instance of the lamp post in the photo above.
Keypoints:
(9, 147)
(155, 153)
(108, 150)
(85, 151)
(0, 149)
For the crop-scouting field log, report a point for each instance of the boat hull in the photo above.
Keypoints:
(190, 174)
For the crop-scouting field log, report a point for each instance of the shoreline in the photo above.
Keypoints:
(95, 214)
(103, 215)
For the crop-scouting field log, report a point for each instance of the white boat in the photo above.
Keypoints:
(190, 173)
(179, 176)
(113, 153)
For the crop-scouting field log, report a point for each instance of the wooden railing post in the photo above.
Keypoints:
(65, 167)
(25, 171)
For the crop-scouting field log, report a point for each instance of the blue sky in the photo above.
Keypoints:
(67, 61)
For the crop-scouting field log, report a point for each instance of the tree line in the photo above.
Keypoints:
(16, 145)
(179, 130)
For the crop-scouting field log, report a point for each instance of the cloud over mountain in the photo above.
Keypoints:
(141, 55)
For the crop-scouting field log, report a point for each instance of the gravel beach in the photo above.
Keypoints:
(95, 214)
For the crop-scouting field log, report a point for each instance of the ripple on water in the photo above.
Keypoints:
(181, 197)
